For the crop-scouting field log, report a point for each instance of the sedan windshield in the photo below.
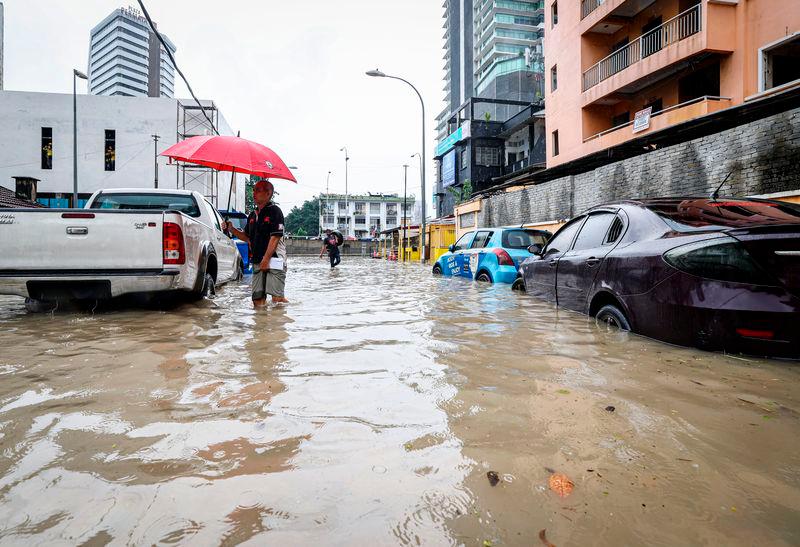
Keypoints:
(522, 239)
(148, 202)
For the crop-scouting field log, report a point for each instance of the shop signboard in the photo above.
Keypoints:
(641, 120)
(449, 169)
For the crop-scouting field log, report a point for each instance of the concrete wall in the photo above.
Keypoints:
(135, 119)
(763, 155)
(311, 247)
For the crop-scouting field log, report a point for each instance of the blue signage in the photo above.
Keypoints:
(449, 142)
(449, 169)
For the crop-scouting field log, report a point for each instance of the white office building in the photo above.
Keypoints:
(365, 215)
(127, 59)
(116, 148)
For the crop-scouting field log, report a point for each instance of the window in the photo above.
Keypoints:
(463, 242)
(487, 156)
(111, 150)
(519, 6)
(562, 241)
(553, 78)
(148, 202)
(615, 231)
(47, 147)
(481, 239)
(554, 14)
(555, 142)
(328, 219)
(466, 220)
(516, 19)
(215, 214)
(517, 34)
(342, 206)
(374, 208)
(464, 159)
(522, 239)
(780, 63)
(594, 231)
(657, 105)
(620, 119)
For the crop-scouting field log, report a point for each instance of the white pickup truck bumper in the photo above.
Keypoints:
(91, 284)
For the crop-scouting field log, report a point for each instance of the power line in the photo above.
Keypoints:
(178, 70)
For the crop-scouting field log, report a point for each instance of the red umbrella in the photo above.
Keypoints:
(228, 153)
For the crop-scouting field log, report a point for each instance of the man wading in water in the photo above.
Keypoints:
(330, 243)
(264, 234)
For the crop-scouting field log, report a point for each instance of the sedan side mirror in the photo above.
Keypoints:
(452, 248)
(535, 249)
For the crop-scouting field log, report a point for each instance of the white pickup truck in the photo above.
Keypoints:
(123, 241)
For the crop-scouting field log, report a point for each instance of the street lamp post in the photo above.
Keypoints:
(405, 208)
(327, 201)
(346, 195)
(378, 74)
(75, 75)
(420, 163)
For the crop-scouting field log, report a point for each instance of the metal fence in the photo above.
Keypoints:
(679, 27)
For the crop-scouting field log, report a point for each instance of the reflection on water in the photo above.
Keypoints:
(370, 410)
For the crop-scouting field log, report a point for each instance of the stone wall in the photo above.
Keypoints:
(763, 156)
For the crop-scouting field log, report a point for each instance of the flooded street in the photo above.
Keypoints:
(369, 412)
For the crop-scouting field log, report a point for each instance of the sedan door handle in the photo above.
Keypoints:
(553, 262)
(592, 261)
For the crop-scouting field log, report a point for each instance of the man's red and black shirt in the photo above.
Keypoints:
(261, 226)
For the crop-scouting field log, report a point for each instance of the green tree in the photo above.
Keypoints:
(249, 204)
(305, 218)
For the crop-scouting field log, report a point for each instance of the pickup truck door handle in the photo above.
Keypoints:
(592, 261)
(77, 230)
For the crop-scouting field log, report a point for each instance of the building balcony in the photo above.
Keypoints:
(700, 30)
(668, 117)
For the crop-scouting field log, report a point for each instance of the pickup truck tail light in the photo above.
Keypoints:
(503, 258)
(174, 250)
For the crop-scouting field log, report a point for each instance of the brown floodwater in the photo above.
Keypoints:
(371, 410)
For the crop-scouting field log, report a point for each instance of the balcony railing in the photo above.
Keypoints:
(681, 26)
(709, 98)
(588, 6)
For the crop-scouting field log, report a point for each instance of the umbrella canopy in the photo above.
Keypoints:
(228, 153)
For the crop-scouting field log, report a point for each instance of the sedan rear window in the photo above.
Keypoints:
(692, 215)
(147, 202)
(522, 239)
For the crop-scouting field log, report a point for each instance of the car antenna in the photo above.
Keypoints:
(715, 194)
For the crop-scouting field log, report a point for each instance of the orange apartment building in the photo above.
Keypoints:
(606, 60)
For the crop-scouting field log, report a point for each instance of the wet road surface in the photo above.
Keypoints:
(369, 412)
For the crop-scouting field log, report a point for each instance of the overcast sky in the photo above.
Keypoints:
(286, 73)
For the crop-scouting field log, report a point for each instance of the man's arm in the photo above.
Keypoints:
(238, 233)
(273, 244)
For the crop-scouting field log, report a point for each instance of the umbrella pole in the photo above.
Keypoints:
(230, 190)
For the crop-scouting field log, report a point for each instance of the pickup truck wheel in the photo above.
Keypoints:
(208, 287)
(39, 306)
(518, 285)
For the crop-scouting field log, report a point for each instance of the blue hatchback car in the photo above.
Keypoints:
(490, 255)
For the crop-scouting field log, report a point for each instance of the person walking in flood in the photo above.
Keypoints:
(264, 234)
(330, 243)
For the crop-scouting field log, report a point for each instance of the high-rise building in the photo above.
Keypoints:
(126, 58)
(1, 45)
(493, 50)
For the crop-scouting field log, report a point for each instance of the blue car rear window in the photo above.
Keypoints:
(522, 239)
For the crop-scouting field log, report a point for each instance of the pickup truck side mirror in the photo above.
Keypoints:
(452, 248)
(535, 249)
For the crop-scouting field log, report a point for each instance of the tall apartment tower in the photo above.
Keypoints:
(493, 50)
(126, 58)
(1, 45)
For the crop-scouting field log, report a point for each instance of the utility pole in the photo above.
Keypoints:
(346, 195)
(155, 156)
(405, 208)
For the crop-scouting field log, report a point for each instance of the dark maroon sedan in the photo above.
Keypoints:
(720, 274)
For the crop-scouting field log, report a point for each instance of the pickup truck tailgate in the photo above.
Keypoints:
(81, 240)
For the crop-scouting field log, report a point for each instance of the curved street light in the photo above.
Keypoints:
(378, 74)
